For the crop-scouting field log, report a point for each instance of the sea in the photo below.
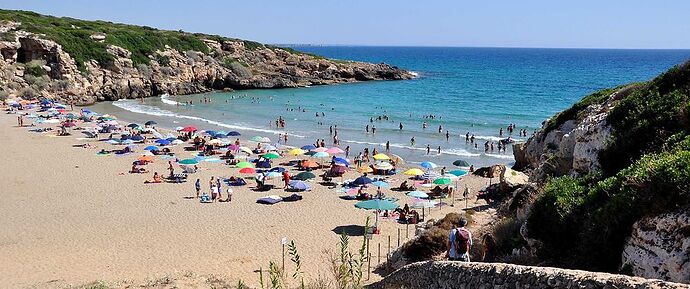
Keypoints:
(463, 90)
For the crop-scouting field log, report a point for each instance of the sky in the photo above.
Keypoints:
(465, 23)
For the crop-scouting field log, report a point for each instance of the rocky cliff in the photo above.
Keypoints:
(83, 61)
(482, 275)
(613, 180)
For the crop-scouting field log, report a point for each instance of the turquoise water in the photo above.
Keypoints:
(475, 90)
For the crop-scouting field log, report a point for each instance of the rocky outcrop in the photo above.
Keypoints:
(495, 275)
(572, 148)
(227, 65)
(660, 248)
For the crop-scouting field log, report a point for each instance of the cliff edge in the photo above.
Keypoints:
(82, 62)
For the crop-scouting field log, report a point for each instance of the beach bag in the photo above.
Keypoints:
(462, 241)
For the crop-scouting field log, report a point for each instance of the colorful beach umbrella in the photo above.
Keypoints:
(343, 161)
(150, 122)
(335, 151)
(247, 171)
(310, 164)
(270, 156)
(242, 165)
(234, 133)
(303, 176)
(380, 184)
(428, 165)
(362, 181)
(418, 194)
(132, 125)
(188, 162)
(377, 204)
(189, 129)
(380, 157)
(151, 148)
(308, 147)
(414, 172)
(298, 185)
(442, 181)
(163, 142)
(296, 152)
(321, 155)
(458, 173)
(461, 163)
(383, 166)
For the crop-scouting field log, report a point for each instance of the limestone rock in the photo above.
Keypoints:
(229, 65)
(659, 247)
(496, 275)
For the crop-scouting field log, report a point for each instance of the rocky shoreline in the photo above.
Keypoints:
(33, 65)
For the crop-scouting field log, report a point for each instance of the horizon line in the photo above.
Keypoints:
(469, 46)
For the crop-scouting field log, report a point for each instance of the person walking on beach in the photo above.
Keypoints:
(388, 146)
(171, 169)
(218, 187)
(286, 179)
(439, 150)
(428, 149)
(197, 186)
(459, 243)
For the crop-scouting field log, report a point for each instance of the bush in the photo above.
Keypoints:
(37, 82)
(28, 93)
(145, 70)
(433, 241)
(35, 68)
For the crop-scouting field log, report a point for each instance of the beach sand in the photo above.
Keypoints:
(71, 217)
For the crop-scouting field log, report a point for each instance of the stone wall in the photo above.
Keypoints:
(495, 275)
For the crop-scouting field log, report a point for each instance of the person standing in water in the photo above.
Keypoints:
(412, 142)
(447, 136)
(401, 126)
(373, 129)
(439, 150)
(440, 128)
(347, 152)
(388, 146)
(428, 149)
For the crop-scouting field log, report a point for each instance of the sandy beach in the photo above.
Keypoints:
(71, 217)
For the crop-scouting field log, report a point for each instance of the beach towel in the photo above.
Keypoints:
(269, 200)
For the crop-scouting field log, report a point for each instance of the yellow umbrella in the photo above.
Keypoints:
(366, 169)
(296, 152)
(379, 157)
(414, 172)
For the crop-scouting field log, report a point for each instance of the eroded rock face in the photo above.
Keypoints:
(570, 149)
(229, 65)
(659, 247)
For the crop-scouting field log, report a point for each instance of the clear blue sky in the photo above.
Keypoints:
(496, 23)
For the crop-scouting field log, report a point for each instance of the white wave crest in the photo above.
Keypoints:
(165, 98)
(135, 107)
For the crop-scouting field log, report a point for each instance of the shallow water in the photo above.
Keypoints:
(475, 90)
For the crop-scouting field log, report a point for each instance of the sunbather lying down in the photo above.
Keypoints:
(156, 179)
(137, 170)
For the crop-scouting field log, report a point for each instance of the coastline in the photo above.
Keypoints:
(73, 218)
